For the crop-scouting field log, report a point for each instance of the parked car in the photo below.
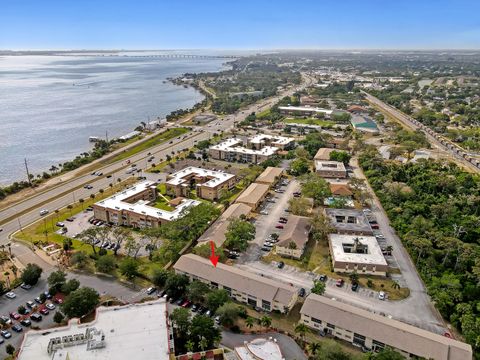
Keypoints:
(381, 295)
(60, 224)
(354, 287)
(88, 186)
(11, 295)
(339, 282)
(58, 300)
(279, 226)
(322, 277)
(194, 308)
(301, 292)
(47, 294)
(36, 317)
(208, 313)
(375, 226)
(186, 304)
(30, 304)
(281, 265)
(179, 301)
(264, 212)
(5, 320)
(50, 306)
(268, 245)
(26, 286)
(17, 328)
(15, 315)
(44, 311)
(70, 219)
(26, 322)
(6, 334)
(38, 300)
(151, 290)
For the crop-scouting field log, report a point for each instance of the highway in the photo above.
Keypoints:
(458, 154)
(71, 190)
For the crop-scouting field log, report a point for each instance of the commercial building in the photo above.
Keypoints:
(133, 207)
(330, 169)
(208, 184)
(372, 331)
(253, 195)
(118, 332)
(361, 254)
(270, 176)
(216, 232)
(253, 150)
(293, 239)
(241, 285)
(349, 221)
(303, 110)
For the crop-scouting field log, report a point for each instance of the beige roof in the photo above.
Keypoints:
(296, 230)
(217, 231)
(323, 153)
(236, 279)
(253, 194)
(340, 190)
(269, 175)
(388, 331)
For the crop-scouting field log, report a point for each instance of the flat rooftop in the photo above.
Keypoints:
(306, 108)
(117, 202)
(135, 331)
(275, 139)
(216, 177)
(326, 165)
(236, 145)
(348, 220)
(373, 253)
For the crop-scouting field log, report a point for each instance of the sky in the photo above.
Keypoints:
(239, 24)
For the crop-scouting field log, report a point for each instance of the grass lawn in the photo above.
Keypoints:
(310, 121)
(156, 140)
(161, 204)
(263, 114)
(317, 259)
(35, 232)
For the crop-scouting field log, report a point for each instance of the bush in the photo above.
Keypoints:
(31, 274)
(235, 329)
(105, 264)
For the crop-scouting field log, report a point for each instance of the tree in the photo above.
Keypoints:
(299, 206)
(330, 350)
(249, 322)
(89, 236)
(181, 320)
(119, 235)
(56, 279)
(228, 313)
(176, 285)
(197, 290)
(10, 349)
(105, 264)
(80, 302)
(204, 327)
(217, 298)
(31, 274)
(22, 310)
(320, 226)
(67, 244)
(70, 286)
(353, 276)
(340, 156)
(79, 259)
(189, 345)
(315, 187)
(159, 277)
(58, 317)
(314, 347)
(266, 321)
(299, 167)
(301, 329)
(129, 268)
(318, 287)
(132, 246)
(387, 354)
(313, 142)
(239, 233)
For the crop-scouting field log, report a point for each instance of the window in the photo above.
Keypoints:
(377, 345)
(252, 302)
(316, 320)
(331, 326)
(359, 339)
(266, 305)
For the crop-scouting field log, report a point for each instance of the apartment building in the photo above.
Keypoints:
(253, 195)
(372, 331)
(294, 237)
(270, 176)
(330, 169)
(241, 285)
(208, 184)
(133, 207)
(349, 221)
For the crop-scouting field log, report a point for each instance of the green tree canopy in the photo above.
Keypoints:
(31, 274)
(217, 298)
(239, 233)
(80, 302)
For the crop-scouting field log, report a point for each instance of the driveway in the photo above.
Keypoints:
(290, 349)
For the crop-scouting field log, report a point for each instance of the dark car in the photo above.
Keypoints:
(36, 317)
(281, 264)
(322, 277)
(354, 287)
(39, 300)
(301, 292)
(179, 301)
(194, 308)
(17, 328)
(26, 322)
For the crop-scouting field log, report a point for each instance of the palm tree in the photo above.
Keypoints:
(190, 345)
(395, 285)
(301, 329)
(266, 321)
(14, 270)
(81, 201)
(202, 344)
(249, 321)
(314, 347)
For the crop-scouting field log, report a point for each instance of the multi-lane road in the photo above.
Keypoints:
(456, 153)
(22, 213)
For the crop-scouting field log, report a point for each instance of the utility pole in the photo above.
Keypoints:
(28, 173)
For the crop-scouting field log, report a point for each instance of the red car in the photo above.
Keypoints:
(375, 226)
(339, 282)
(44, 311)
(57, 300)
(186, 304)
(279, 226)
(15, 316)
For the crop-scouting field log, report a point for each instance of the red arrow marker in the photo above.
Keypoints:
(213, 258)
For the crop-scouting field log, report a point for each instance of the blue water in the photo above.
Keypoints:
(50, 105)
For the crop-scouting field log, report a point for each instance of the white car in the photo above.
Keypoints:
(381, 295)
(43, 212)
(11, 295)
(50, 306)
